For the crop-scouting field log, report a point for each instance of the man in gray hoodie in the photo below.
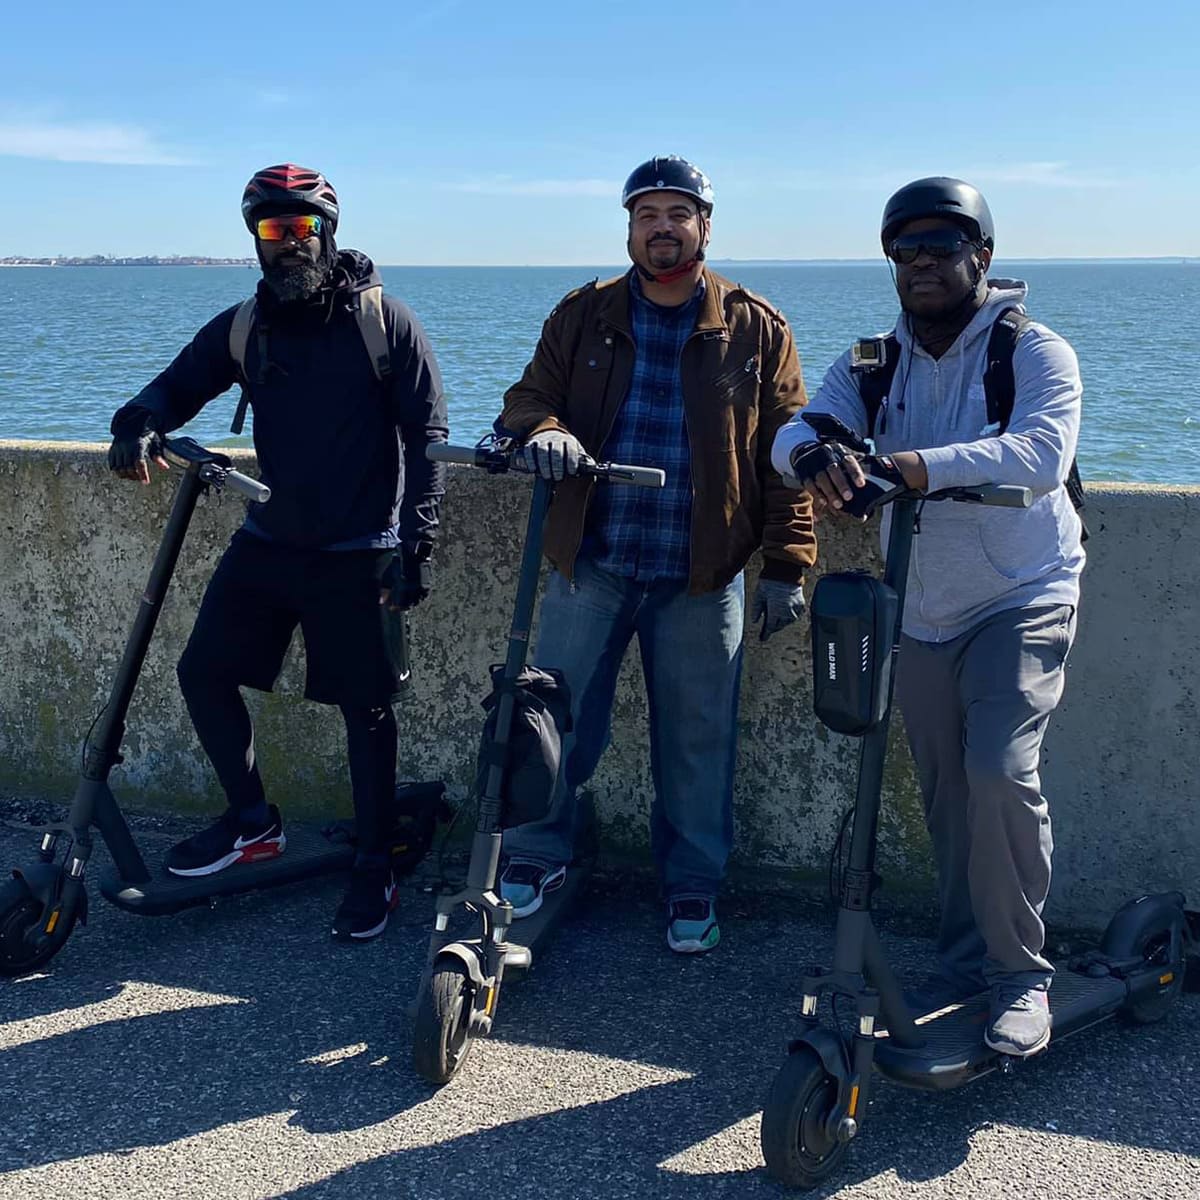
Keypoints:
(992, 592)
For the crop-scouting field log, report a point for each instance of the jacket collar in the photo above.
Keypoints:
(614, 306)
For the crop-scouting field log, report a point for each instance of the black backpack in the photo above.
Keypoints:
(999, 386)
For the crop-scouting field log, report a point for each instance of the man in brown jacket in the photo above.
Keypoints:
(670, 366)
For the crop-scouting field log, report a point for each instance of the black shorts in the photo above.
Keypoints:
(261, 591)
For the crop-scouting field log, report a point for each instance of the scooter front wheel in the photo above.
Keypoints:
(21, 915)
(442, 1029)
(797, 1145)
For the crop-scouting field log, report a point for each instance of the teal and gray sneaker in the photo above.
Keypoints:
(524, 883)
(692, 927)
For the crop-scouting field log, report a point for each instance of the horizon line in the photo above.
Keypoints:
(233, 260)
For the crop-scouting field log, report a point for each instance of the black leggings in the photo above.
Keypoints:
(223, 726)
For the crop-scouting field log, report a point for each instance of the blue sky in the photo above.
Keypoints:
(460, 131)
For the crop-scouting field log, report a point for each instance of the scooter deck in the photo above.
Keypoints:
(538, 929)
(954, 1050)
(311, 851)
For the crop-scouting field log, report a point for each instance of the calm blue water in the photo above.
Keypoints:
(76, 342)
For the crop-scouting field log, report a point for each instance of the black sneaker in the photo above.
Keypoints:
(363, 913)
(228, 842)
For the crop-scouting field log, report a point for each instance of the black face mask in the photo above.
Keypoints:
(296, 281)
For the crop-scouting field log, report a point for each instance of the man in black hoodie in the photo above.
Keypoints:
(344, 543)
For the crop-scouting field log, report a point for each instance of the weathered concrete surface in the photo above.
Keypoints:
(76, 547)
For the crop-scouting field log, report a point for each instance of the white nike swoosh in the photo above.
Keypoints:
(242, 842)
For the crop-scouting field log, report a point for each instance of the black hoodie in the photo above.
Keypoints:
(343, 453)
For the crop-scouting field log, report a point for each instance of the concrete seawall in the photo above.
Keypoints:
(1119, 766)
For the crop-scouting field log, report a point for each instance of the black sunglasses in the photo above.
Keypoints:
(937, 243)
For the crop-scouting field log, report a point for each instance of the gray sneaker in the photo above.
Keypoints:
(1019, 1020)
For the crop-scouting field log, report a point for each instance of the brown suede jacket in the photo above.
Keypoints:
(741, 382)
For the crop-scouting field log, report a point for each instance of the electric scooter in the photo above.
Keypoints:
(460, 985)
(818, 1100)
(41, 904)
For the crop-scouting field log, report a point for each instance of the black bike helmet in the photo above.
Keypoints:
(670, 173)
(939, 196)
(290, 186)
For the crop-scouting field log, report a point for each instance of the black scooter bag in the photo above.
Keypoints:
(533, 756)
(853, 621)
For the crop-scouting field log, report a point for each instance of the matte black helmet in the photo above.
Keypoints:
(939, 196)
(290, 186)
(670, 173)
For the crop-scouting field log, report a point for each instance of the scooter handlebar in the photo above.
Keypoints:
(1001, 495)
(252, 489)
(500, 460)
(464, 456)
(651, 477)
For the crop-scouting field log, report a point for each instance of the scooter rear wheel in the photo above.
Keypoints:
(442, 1032)
(20, 913)
(796, 1144)
(1156, 950)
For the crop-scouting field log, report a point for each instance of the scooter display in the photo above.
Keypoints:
(818, 1100)
(41, 904)
(460, 985)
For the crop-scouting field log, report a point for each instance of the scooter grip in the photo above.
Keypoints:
(252, 489)
(1005, 495)
(464, 456)
(651, 477)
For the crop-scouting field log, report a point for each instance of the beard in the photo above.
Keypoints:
(297, 280)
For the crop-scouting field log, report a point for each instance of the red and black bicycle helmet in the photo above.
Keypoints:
(290, 186)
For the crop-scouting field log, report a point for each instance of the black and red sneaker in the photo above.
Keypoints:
(363, 912)
(227, 842)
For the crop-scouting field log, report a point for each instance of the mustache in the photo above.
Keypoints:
(664, 237)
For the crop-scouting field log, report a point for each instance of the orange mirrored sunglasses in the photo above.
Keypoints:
(275, 229)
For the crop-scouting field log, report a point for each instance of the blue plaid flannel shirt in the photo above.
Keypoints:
(645, 533)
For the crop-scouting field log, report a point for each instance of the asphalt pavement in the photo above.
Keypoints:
(237, 1052)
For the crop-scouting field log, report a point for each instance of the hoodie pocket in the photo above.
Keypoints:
(1021, 545)
(952, 570)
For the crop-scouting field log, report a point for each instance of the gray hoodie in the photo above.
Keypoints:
(971, 561)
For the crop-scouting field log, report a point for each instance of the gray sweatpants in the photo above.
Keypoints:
(976, 710)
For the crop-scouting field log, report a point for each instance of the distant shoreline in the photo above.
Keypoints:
(21, 260)
(718, 263)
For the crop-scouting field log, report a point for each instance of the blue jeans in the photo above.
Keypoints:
(691, 650)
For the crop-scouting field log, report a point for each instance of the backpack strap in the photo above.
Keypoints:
(1000, 390)
(369, 315)
(239, 338)
(999, 384)
(875, 381)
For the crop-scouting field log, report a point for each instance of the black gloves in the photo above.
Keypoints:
(809, 459)
(882, 478)
(136, 439)
(408, 578)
